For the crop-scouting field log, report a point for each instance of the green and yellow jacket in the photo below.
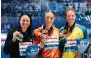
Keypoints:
(75, 32)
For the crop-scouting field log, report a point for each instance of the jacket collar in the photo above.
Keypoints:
(69, 29)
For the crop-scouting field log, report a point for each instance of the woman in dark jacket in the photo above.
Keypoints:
(12, 43)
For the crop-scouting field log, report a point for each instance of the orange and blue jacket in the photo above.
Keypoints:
(47, 53)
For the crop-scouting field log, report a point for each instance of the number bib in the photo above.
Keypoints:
(52, 42)
(71, 46)
(23, 46)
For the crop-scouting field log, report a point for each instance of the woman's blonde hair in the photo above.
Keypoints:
(70, 8)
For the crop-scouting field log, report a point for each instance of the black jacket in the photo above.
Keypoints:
(11, 47)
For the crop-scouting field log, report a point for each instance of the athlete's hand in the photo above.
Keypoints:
(43, 38)
(15, 34)
(62, 33)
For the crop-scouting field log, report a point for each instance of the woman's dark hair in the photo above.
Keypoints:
(29, 30)
(50, 11)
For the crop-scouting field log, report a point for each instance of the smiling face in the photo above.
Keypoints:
(49, 19)
(25, 21)
(70, 17)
